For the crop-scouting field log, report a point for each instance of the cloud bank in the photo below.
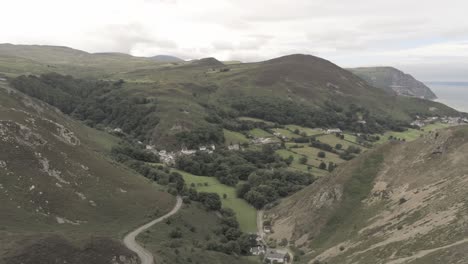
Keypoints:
(426, 37)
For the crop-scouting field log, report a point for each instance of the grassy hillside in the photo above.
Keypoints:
(54, 185)
(400, 203)
(205, 94)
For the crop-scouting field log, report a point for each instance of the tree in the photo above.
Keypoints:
(211, 201)
(323, 166)
(225, 196)
(176, 233)
(303, 160)
(338, 146)
(321, 154)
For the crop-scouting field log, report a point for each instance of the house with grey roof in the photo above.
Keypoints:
(276, 256)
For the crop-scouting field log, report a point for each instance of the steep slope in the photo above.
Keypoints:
(401, 203)
(394, 81)
(57, 192)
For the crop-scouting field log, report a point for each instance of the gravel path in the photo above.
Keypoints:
(145, 256)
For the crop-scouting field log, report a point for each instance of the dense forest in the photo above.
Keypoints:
(93, 101)
(284, 112)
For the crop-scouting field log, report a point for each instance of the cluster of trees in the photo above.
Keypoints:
(284, 111)
(266, 186)
(322, 146)
(202, 135)
(350, 152)
(96, 102)
(211, 201)
(230, 166)
(125, 151)
(231, 240)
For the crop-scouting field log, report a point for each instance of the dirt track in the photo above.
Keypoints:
(145, 256)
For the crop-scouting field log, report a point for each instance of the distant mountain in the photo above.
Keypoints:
(394, 81)
(399, 203)
(166, 58)
(208, 62)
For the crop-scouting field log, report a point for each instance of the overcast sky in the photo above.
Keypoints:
(428, 38)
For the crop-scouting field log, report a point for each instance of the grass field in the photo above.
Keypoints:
(232, 137)
(244, 118)
(198, 228)
(308, 131)
(296, 165)
(287, 133)
(332, 140)
(260, 133)
(311, 154)
(412, 134)
(246, 214)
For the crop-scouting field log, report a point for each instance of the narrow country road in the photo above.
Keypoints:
(145, 256)
(260, 225)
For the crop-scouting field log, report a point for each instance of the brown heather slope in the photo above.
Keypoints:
(60, 200)
(401, 203)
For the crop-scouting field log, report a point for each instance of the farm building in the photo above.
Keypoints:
(276, 256)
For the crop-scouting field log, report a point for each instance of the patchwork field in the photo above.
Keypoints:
(197, 228)
(244, 118)
(232, 137)
(287, 133)
(246, 214)
(307, 130)
(412, 134)
(260, 133)
(333, 140)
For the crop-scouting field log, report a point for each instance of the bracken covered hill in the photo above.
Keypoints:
(401, 203)
(57, 189)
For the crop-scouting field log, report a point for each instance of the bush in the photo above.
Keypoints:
(176, 233)
(321, 154)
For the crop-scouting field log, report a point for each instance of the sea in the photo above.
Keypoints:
(453, 94)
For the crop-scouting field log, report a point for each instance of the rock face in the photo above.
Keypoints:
(394, 81)
(400, 203)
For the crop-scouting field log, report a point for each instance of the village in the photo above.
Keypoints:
(422, 122)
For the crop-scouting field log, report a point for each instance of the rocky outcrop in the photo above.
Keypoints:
(394, 81)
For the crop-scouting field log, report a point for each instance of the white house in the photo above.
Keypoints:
(257, 250)
(185, 151)
(333, 130)
(234, 147)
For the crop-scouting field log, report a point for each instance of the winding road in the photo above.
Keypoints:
(145, 256)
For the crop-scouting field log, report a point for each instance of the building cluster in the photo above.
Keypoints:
(270, 255)
(169, 157)
(422, 122)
